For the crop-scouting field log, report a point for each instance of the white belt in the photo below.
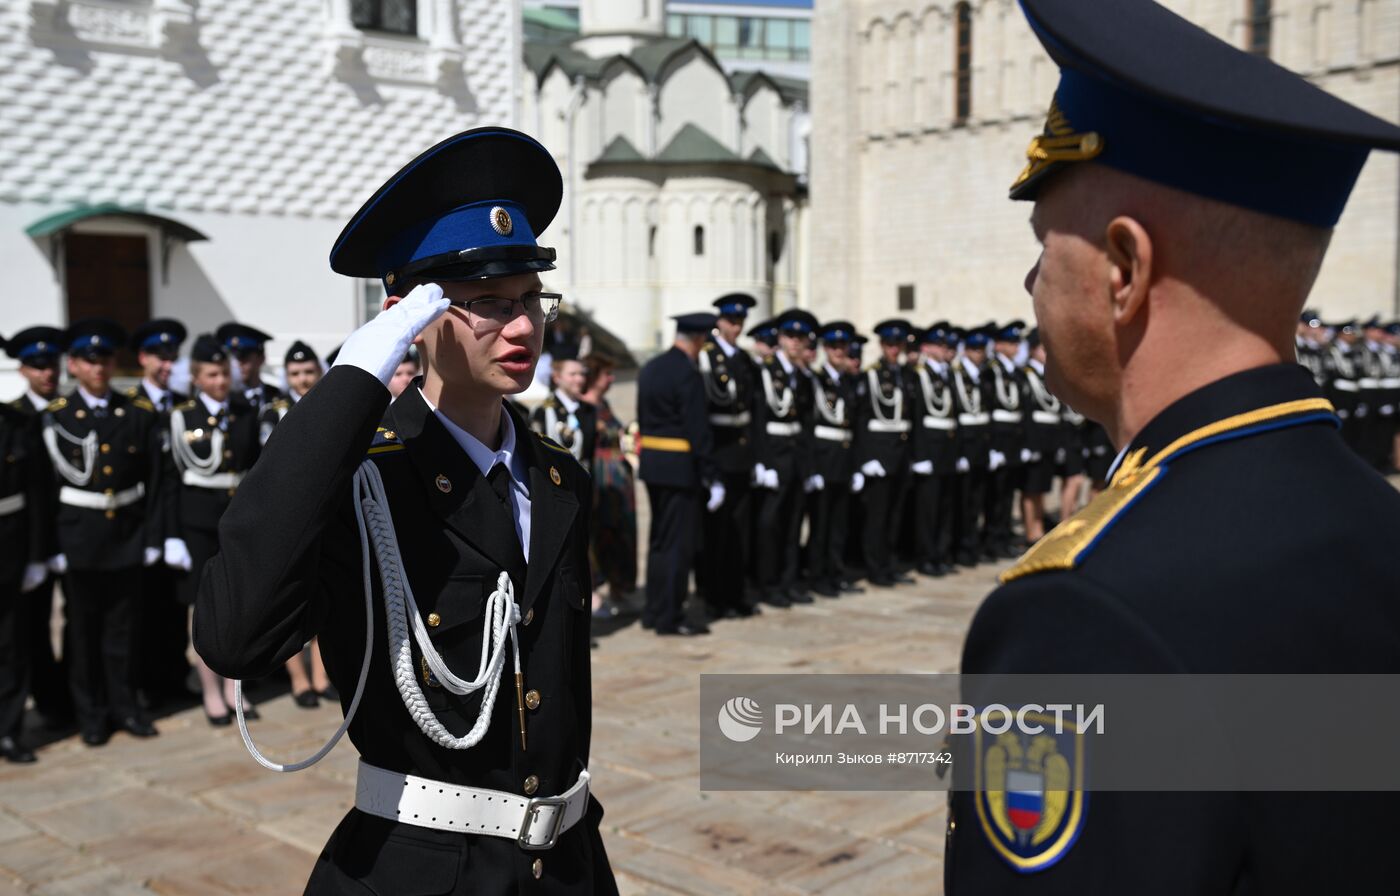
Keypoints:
(731, 420)
(11, 504)
(1390, 383)
(1007, 416)
(76, 497)
(972, 419)
(831, 433)
(533, 823)
(775, 428)
(945, 423)
(1367, 382)
(1047, 417)
(1345, 386)
(888, 425)
(211, 480)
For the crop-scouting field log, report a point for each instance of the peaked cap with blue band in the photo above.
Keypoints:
(163, 333)
(469, 208)
(894, 330)
(765, 332)
(241, 337)
(796, 321)
(94, 337)
(36, 346)
(837, 331)
(736, 304)
(1149, 93)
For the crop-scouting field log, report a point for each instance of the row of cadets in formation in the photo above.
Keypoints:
(1357, 364)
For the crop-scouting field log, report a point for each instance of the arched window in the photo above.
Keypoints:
(651, 242)
(699, 240)
(962, 80)
(393, 16)
(1259, 26)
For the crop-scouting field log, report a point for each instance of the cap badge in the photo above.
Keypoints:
(554, 475)
(501, 222)
(443, 484)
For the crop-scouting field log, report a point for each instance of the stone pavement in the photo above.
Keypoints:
(191, 813)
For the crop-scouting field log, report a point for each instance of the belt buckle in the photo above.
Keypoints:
(532, 810)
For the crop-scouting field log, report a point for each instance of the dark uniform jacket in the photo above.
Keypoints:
(833, 413)
(587, 416)
(671, 407)
(1044, 419)
(783, 401)
(265, 394)
(130, 452)
(730, 384)
(1005, 391)
(1266, 550)
(935, 418)
(200, 505)
(290, 569)
(21, 494)
(974, 414)
(883, 382)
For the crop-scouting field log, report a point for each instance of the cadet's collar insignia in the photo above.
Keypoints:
(501, 222)
(554, 475)
(429, 678)
(1030, 794)
(443, 484)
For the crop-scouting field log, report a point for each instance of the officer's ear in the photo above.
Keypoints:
(1129, 250)
(390, 302)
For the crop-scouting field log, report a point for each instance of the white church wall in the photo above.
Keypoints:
(695, 92)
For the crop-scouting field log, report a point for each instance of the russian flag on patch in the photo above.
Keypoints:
(1025, 799)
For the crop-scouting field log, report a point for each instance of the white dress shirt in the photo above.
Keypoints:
(93, 401)
(159, 397)
(485, 459)
(39, 401)
(725, 347)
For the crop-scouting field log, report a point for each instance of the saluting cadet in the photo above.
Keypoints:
(782, 459)
(1044, 440)
(677, 466)
(104, 460)
(935, 454)
(884, 425)
(974, 442)
(564, 416)
(1234, 505)
(162, 621)
(21, 571)
(1008, 453)
(730, 376)
(478, 530)
(38, 351)
(245, 345)
(833, 462)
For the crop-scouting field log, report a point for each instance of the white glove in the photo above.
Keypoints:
(995, 460)
(857, 482)
(770, 479)
(872, 468)
(716, 497)
(34, 575)
(760, 474)
(152, 556)
(58, 564)
(923, 468)
(814, 483)
(177, 554)
(1035, 457)
(1059, 455)
(379, 346)
(1026, 456)
(962, 466)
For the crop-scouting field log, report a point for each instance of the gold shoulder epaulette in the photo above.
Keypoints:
(143, 404)
(186, 405)
(1066, 546)
(550, 443)
(57, 404)
(280, 404)
(133, 391)
(386, 441)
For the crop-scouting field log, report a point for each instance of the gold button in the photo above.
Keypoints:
(743, 440)
(106, 471)
(443, 484)
(952, 825)
(529, 616)
(81, 414)
(228, 453)
(213, 421)
(537, 868)
(532, 699)
(434, 620)
(111, 514)
(109, 491)
(532, 784)
(390, 435)
(106, 449)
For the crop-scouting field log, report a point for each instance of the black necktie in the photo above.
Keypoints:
(100, 411)
(500, 479)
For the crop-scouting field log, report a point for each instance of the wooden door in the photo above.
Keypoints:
(109, 275)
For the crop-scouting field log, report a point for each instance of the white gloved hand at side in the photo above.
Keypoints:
(34, 575)
(379, 346)
(152, 556)
(58, 564)
(995, 460)
(770, 479)
(962, 466)
(814, 483)
(177, 554)
(760, 474)
(857, 482)
(922, 468)
(1027, 456)
(872, 468)
(716, 497)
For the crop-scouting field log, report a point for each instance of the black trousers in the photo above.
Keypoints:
(101, 643)
(1000, 493)
(778, 533)
(971, 489)
(14, 660)
(934, 517)
(724, 553)
(162, 633)
(884, 503)
(670, 553)
(827, 515)
(48, 675)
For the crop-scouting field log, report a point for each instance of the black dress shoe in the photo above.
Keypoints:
(826, 590)
(747, 611)
(137, 727)
(930, 569)
(849, 587)
(798, 596)
(902, 579)
(14, 751)
(219, 721)
(777, 599)
(329, 693)
(881, 581)
(96, 737)
(684, 630)
(306, 699)
(647, 623)
(251, 714)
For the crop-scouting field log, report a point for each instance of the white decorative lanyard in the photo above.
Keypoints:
(779, 405)
(1007, 394)
(87, 445)
(833, 412)
(943, 398)
(183, 449)
(502, 615)
(972, 404)
(1344, 365)
(877, 398)
(1041, 394)
(720, 395)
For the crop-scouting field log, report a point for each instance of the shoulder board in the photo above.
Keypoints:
(1068, 544)
(133, 391)
(386, 441)
(551, 444)
(279, 404)
(17, 404)
(143, 404)
(186, 405)
(57, 404)
(709, 345)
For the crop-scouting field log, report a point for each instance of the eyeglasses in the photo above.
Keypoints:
(491, 311)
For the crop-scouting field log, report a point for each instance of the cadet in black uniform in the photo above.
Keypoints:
(677, 467)
(1235, 505)
(974, 442)
(833, 461)
(38, 351)
(479, 534)
(245, 345)
(1006, 464)
(782, 460)
(163, 622)
(935, 453)
(730, 377)
(1045, 432)
(107, 520)
(564, 416)
(1343, 389)
(884, 424)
